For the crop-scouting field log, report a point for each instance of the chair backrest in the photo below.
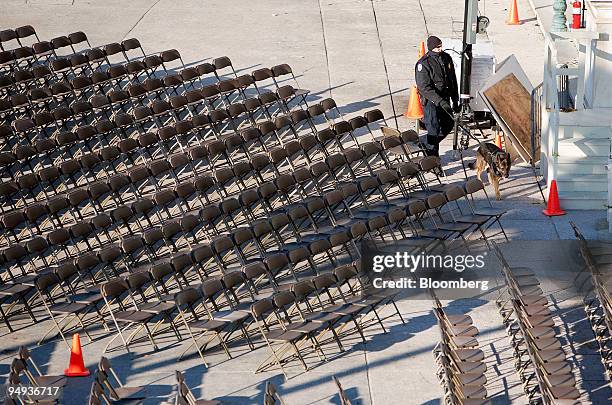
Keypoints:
(212, 287)
(262, 308)
(302, 289)
(114, 288)
(46, 282)
(436, 200)
(105, 366)
(454, 193)
(187, 297)
(473, 185)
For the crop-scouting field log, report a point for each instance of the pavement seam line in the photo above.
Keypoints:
(368, 377)
(424, 17)
(382, 54)
(141, 17)
(325, 48)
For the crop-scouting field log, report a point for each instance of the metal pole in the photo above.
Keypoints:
(469, 37)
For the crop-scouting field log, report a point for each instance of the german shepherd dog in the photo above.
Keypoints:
(495, 161)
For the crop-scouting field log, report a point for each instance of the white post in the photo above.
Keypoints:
(579, 103)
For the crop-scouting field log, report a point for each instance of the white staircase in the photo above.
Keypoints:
(582, 178)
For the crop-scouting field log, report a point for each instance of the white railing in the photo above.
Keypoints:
(584, 44)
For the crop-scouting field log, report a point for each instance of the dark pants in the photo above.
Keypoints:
(438, 124)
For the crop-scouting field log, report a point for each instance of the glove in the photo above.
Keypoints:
(446, 107)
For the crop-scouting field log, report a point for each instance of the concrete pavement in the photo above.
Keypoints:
(362, 53)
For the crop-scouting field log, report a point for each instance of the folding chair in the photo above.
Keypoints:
(67, 311)
(186, 302)
(38, 378)
(222, 63)
(118, 391)
(278, 340)
(113, 293)
(12, 295)
(471, 187)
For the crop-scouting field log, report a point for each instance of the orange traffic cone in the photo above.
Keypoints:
(513, 18)
(498, 141)
(553, 208)
(76, 368)
(422, 51)
(415, 109)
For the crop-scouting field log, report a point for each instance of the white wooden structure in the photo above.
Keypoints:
(576, 143)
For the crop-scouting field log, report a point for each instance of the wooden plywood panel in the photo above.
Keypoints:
(512, 102)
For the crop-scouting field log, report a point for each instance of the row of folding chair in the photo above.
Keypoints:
(186, 229)
(546, 373)
(162, 122)
(155, 115)
(71, 91)
(207, 93)
(179, 136)
(113, 295)
(41, 52)
(112, 256)
(26, 91)
(314, 312)
(592, 282)
(460, 360)
(136, 81)
(248, 206)
(92, 168)
(48, 52)
(209, 222)
(211, 215)
(121, 81)
(72, 181)
(49, 152)
(215, 310)
(28, 65)
(56, 43)
(7, 36)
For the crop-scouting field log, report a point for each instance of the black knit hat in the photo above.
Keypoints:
(433, 42)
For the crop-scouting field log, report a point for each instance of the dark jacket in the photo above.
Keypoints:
(435, 78)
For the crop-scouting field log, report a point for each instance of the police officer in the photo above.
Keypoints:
(437, 84)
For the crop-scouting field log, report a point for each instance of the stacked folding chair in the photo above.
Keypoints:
(184, 395)
(107, 388)
(541, 363)
(24, 371)
(461, 367)
(596, 291)
(271, 395)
